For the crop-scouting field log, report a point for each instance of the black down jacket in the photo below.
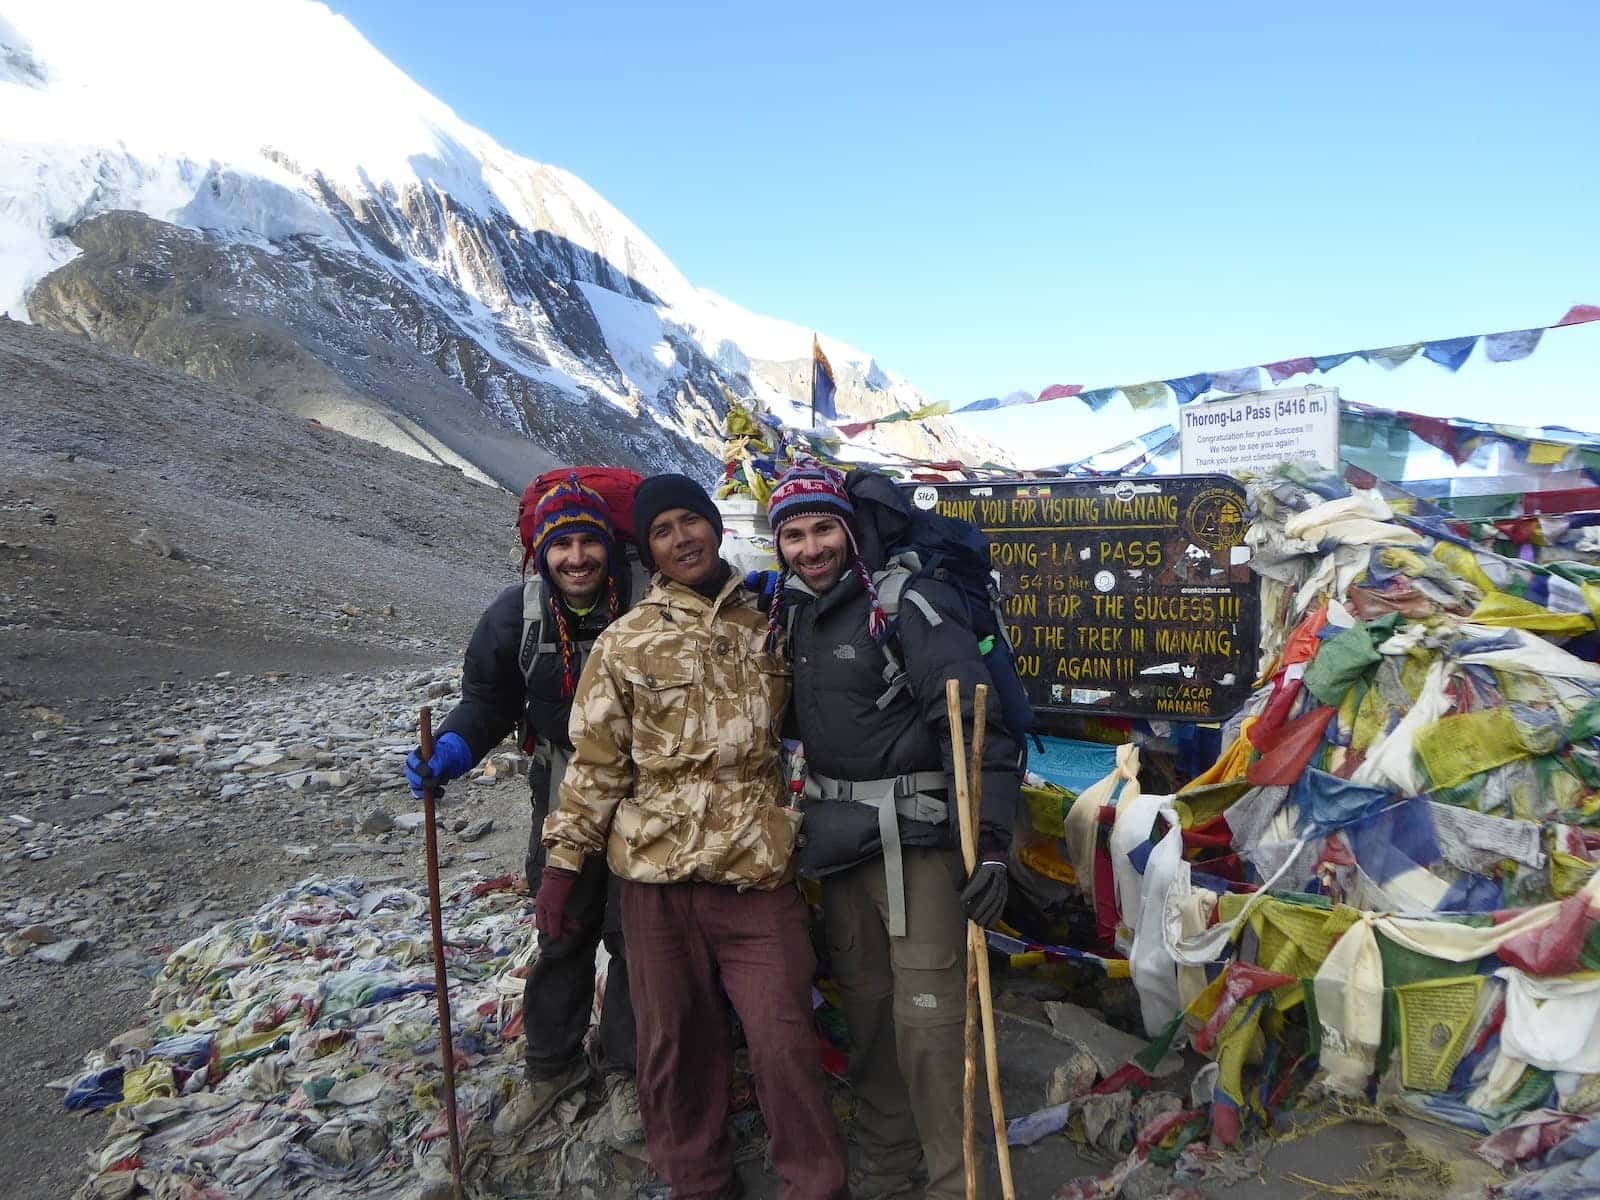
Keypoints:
(838, 680)
(494, 694)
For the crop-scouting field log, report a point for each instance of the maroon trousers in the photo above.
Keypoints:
(683, 940)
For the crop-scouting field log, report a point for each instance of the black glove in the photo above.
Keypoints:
(984, 897)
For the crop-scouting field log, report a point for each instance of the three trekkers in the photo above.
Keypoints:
(674, 799)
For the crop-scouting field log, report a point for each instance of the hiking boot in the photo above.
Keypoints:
(877, 1189)
(869, 1185)
(535, 1101)
(622, 1098)
(657, 1189)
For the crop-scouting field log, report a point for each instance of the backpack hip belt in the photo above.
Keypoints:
(556, 759)
(907, 796)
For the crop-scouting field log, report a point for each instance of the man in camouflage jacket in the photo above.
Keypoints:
(675, 778)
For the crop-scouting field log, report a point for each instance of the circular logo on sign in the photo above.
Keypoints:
(1104, 581)
(1216, 519)
(925, 497)
(1125, 491)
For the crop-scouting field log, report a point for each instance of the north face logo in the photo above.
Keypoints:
(844, 652)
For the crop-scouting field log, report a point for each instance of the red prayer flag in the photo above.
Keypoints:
(1290, 367)
(1579, 314)
(1060, 391)
(1292, 751)
(1437, 432)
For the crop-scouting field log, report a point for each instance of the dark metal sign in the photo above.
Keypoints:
(1123, 596)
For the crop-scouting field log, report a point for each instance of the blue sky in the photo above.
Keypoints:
(997, 198)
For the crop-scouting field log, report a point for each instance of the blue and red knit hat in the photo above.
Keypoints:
(569, 507)
(810, 489)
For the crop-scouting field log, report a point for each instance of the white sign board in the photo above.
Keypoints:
(1259, 430)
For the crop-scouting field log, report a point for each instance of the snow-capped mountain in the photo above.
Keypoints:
(253, 193)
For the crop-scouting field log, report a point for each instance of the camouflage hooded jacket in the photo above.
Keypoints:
(675, 770)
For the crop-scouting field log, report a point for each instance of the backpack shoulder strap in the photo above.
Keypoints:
(532, 644)
(892, 583)
(638, 577)
(894, 588)
(892, 580)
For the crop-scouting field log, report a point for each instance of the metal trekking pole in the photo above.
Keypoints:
(969, 792)
(441, 980)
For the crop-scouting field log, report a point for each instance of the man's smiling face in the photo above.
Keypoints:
(684, 546)
(817, 548)
(577, 564)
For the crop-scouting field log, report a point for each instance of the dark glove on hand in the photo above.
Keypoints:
(452, 758)
(984, 897)
(764, 584)
(555, 889)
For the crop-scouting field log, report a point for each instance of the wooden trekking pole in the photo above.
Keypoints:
(969, 855)
(969, 792)
(441, 979)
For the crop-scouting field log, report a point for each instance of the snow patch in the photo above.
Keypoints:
(636, 337)
(254, 206)
(17, 61)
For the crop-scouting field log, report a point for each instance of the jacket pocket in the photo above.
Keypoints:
(644, 829)
(663, 694)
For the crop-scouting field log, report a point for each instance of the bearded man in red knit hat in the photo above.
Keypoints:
(522, 665)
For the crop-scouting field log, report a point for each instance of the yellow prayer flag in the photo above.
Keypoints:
(1457, 747)
(1146, 395)
(759, 487)
(1502, 609)
(1464, 563)
(1546, 454)
(1436, 1015)
(1568, 873)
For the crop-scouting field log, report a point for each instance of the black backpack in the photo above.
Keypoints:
(915, 544)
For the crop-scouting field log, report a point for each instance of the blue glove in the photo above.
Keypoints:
(764, 584)
(452, 758)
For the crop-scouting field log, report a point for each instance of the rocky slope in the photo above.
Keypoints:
(207, 606)
(146, 516)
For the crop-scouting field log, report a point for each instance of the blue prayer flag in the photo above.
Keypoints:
(1449, 353)
(822, 386)
(1190, 386)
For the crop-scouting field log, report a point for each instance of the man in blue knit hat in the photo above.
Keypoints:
(871, 649)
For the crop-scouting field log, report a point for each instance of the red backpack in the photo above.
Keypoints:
(616, 486)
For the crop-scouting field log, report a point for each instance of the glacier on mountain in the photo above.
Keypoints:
(276, 126)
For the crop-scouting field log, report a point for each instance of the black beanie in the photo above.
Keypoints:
(662, 492)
